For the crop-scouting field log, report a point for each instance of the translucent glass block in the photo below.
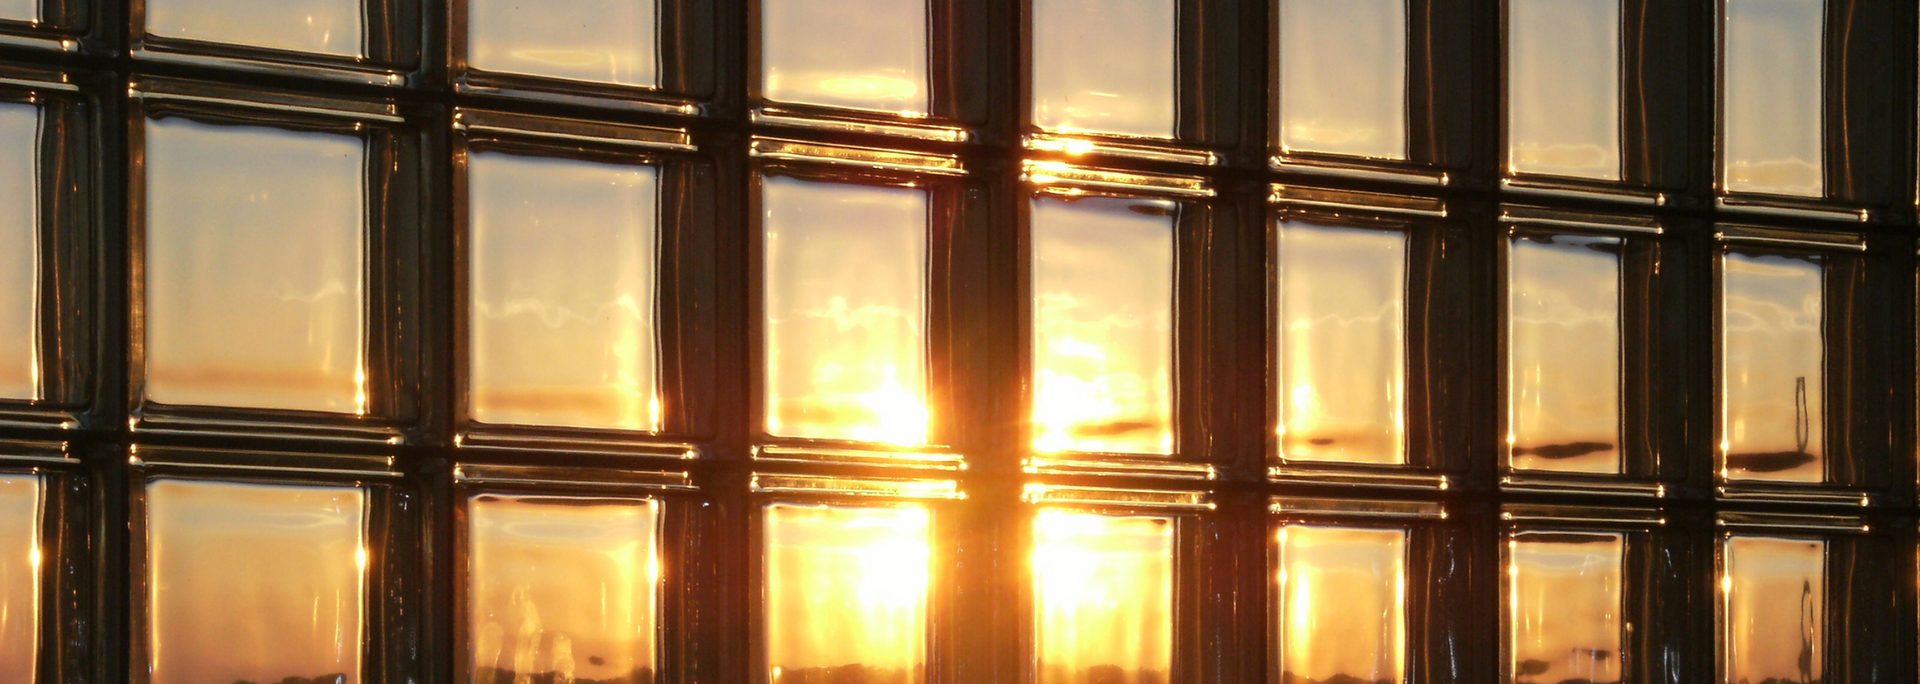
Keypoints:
(846, 593)
(20, 10)
(1775, 593)
(1563, 365)
(846, 310)
(333, 27)
(20, 506)
(562, 281)
(1343, 344)
(1563, 87)
(1104, 66)
(1102, 325)
(255, 582)
(1342, 607)
(19, 251)
(1564, 606)
(858, 54)
(1343, 77)
(1773, 358)
(562, 586)
(254, 247)
(600, 41)
(1770, 95)
(1104, 597)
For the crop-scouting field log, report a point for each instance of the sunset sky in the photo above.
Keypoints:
(1104, 591)
(1563, 368)
(875, 57)
(1563, 87)
(1343, 77)
(327, 26)
(1775, 593)
(1104, 65)
(1343, 602)
(19, 576)
(1772, 315)
(1564, 603)
(254, 249)
(616, 45)
(19, 241)
(562, 285)
(254, 582)
(1774, 53)
(1342, 343)
(846, 585)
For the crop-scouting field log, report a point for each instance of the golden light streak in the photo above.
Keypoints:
(1103, 591)
(846, 586)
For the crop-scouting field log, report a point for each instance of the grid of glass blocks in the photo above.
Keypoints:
(943, 341)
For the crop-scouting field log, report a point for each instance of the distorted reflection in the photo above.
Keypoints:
(562, 287)
(19, 577)
(1104, 594)
(1776, 610)
(1770, 96)
(1563, 87)
(846, 593)
(1343, 77)
(1564, 353)
(1342, 606)
(1102, 325)
(324, 26)
(1564, 607)
(19, 251)
(562, 589)
(1104, 66)
(254, 241)
(1773, 356)
(254, 582)
(859, 54)
(603, 41)
(1343, 337)
(845, 346)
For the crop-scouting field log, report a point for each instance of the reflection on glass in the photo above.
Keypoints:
(845, 346)
(1343, 77)
(1342, 604)
(859, 54)
(562, 588)
(20, 10)
(1343, 344)
(325, 26)
(1104, 66)
(846, 593)
(562, 281)
(1564, 607)
(1770, 96)
(1563, 87)
(255, 583)
(1104, 593)
(19, 577)
(253, 250)
(1776, 610)
(1564, 359)
(603, 41)
(1772, 361)
(19, 247)
(1102, 325)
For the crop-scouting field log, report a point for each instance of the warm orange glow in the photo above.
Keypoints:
(846, 586)
(20, 558)
(1774, 592)
(1342, 344)
(1564, 607)
(1342, 603)
(1104, 596)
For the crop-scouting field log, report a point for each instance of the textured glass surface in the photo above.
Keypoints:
(846, 311)
(1776, 610)
(1105, 66)
(20, 10)
(1102, 325)
(1563, 308)
(562, 586)
(324, 26)
(562, 287)
(859, 54)
(1563, 87)
(1343, 77)
(1564, 606)
(604, 41)
(1771, 96)
(19, 251)
(1343, 344)
(253, 263)
(1773, 358)
(1342, 604)
(846, 593)
(19, 577)
(1104, 597)
(254, 582)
